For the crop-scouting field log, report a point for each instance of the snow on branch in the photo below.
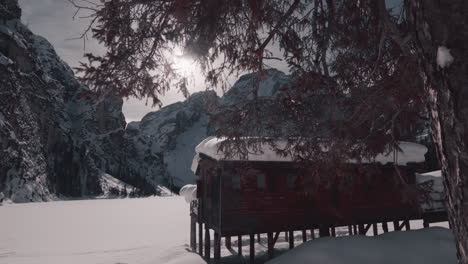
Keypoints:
(444, 58)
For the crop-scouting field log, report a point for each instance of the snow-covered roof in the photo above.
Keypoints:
(411, 152)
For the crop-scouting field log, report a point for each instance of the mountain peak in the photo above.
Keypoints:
(9, 9)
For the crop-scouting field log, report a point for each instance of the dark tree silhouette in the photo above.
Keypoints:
(374, 67)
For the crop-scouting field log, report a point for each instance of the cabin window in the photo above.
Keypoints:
(261, 182)
(291, 180)
(272, 184)
(236, 181)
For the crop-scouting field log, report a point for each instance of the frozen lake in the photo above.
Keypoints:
(140, 231)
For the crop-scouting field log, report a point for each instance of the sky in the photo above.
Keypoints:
(53, 19)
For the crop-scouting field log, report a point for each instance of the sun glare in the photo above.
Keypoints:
(184, 64)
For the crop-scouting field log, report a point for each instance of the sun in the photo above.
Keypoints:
(184, 64)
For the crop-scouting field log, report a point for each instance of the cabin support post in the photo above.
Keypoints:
(276, 237)
(304, 235)
(286, 238)
(350, 230)
(396, 226)
(291, 239)
(324, 232)
(270, 245)
(312, 234)
(374, 229)
(407, 225)
(239, 245)
(333, 231)
(425, 223)
(217, 247)
(258, 238)
(200, 238)
(385, 227)
(207, 243)
(366, 228)
(252, 248)
(355, 231)
(362, 229)
(193, 231)
(228, 242)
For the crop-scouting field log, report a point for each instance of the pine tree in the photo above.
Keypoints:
(383, 67)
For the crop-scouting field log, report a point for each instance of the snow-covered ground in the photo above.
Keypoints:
(107, 231)
(156, 231)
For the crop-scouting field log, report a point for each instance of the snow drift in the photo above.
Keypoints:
(433, 245)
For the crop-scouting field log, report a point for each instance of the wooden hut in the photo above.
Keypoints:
(269, 193)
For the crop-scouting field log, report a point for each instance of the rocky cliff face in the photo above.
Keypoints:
(161, 146)
(56, 136)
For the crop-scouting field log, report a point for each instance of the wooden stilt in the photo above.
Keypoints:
(312, 234)
(252, 248)
(270, 245)
(193, 232)
(355, 231)
(228, 242)
(291, 239)
(275, 238)
(366, 228)
(217, 247)
(200, 238)
(407, 225)
(385, 227)
(425, 223)
(258, 238)
(324, 232)
(333, 231)
(207, 244)
(362, 229)
(350, 230)
(374, 229)
(286, 237)
(239, 245)
(304, 235)
(396, 226)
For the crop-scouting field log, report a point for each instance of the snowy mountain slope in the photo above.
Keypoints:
(162, 144)
(57, 137)
(271, 83)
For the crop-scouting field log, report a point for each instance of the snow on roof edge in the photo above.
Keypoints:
(411, 152)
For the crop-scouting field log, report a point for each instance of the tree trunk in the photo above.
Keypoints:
(445, 23)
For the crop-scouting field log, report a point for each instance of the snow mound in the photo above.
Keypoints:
(410, 152)
(189, 192)
(444, 58)
(425, 246)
